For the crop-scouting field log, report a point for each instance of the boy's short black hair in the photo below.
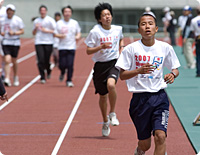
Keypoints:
(57, 14)
(42, 6)
(68, 6)
(99, 8)
(148, 14)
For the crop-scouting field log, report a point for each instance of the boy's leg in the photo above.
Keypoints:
(15, 71)
(160, 144)
(106, 121)
(7, 66)
(112, 93)
(40, 60)
(112, 99)
(103, 106)
(15, 66)
(143, 146)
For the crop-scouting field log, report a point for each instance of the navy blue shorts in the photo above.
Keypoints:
(149, 112)
(103, 71)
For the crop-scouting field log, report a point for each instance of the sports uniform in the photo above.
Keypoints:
(149, 107)
(44, 43)
(2, 16)
(11, 44)
(104, 59)
(67, 45)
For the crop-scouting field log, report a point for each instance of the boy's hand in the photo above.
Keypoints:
(169, 78)
(146, 69)
(106, 45)
(4, 97)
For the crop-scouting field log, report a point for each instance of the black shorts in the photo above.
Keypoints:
(10, 50)
(149, 112)
(103, 71)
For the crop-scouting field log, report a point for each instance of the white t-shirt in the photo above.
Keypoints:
(182, 21)
(2, 16)
(3, 12)
(195, 25)
(136, 54)
(98, 35)
(42, 37)
(14, 24)
(70, 29)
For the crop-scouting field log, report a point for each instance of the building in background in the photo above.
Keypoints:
(126, 12)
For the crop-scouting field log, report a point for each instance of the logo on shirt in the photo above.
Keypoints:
(157, 61)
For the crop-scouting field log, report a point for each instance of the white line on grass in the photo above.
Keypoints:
(71, 117)
(20, 92)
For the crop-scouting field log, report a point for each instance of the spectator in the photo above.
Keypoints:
(172, 28)
(167, 17)
(195, 27)
(188, 39)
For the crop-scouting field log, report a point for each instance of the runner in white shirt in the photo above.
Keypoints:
(11, 29)
(57, 17)
(104, 41)
(141, 64)
(68, 31)
(2, 16)
(43, 30)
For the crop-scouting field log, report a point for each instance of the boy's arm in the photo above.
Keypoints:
(145, 69)
(78, 36)
(121, 45)
(170, 77)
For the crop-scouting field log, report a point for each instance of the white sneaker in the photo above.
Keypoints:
(113, 119)
(7, 82)
(70, 84)
(106, 129)
(193, 66)
(42, 81)
(16, 81)
(139, 152)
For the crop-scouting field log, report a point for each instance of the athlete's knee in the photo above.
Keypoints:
(111, 84)
(160, 137)
(144, 145)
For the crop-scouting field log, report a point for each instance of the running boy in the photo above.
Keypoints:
(104, 41)
(141, 63)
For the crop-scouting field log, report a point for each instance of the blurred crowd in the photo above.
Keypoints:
(180, 31)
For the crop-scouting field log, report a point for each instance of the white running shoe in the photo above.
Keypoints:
(113, 119)
(42, 81)
(70, 84)
(139, 152)
(16, 81)
(106, 129)
(7, 82)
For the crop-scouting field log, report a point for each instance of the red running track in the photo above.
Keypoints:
(33, 122)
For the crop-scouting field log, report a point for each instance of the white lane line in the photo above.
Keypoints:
(71, 117)
(26, 56)
(20, 92)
